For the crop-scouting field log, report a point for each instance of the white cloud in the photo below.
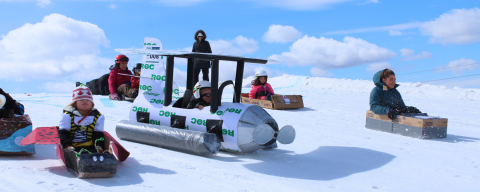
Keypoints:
(459, 66)
(318, 72)
(113, 6)
(397, 27)
(179, 77)
(239, 46)
(281, 34)
(58, 87)
(328, 53)
(227, 71)
(409, 55)
(370, 1)
(459, 26)
(394, 33)
(40, 3)
(43, 3)
(299, 4)
(57, 47)
(379, 66)
(180, 3)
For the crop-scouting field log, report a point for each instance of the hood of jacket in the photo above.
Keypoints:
(378, 81)
(200, 31)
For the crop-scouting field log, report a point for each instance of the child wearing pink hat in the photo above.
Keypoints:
(81, 126)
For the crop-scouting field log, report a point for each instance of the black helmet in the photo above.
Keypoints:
(137, 68)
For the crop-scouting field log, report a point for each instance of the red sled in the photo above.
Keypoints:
(84, 165)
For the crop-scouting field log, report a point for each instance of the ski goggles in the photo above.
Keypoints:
(206, 95)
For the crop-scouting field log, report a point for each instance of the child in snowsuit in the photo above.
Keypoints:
(81, 124)
(385, 98)
(202, 93)
(260, 88)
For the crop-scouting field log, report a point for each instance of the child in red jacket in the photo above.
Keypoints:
(261, 89)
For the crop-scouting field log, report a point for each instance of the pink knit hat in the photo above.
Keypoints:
(82, 93)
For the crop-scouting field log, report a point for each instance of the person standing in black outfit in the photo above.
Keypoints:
(201, 46)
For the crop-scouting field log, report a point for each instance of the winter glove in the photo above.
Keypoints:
(413, 110)
(269, 97)
(392, 113)
(99, 149)
(114, 96)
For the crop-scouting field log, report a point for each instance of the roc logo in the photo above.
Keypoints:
(148, 66)
(159, 77)
(232, 110)
(157, 101)
(139, 109)
(154, 122)
(198, 122)
(219, 113)
(166, 113)
(228, 132)
(145, 88)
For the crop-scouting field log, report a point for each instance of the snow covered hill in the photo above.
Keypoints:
(333, 150)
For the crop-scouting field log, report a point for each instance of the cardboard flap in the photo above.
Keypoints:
(287, 101)
(121, 153)
(42, 136)
(60, 153)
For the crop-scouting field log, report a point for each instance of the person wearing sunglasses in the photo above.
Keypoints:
(385, 98)
(203, 95)
(201, 46)
(120, 84)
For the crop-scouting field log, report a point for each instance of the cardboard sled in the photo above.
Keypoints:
(12, 131)
(85, 165)
(278, 101)
(417, 125)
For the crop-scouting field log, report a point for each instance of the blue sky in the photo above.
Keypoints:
(47, 45)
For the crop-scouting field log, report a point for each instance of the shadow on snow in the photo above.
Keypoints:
(325, 163)
(128, 173)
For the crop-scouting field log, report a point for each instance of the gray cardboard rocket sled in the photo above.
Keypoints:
(159, 117)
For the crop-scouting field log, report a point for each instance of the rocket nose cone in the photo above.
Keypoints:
(286, 135)
(263, 133)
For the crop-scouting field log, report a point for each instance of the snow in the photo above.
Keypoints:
(333, 151)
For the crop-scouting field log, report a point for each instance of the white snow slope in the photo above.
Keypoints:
(333, 151)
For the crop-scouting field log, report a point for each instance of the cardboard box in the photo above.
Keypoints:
(409, 125)
(278, 101)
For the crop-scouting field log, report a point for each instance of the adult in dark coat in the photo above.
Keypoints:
(385, 98)
(201, 46)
